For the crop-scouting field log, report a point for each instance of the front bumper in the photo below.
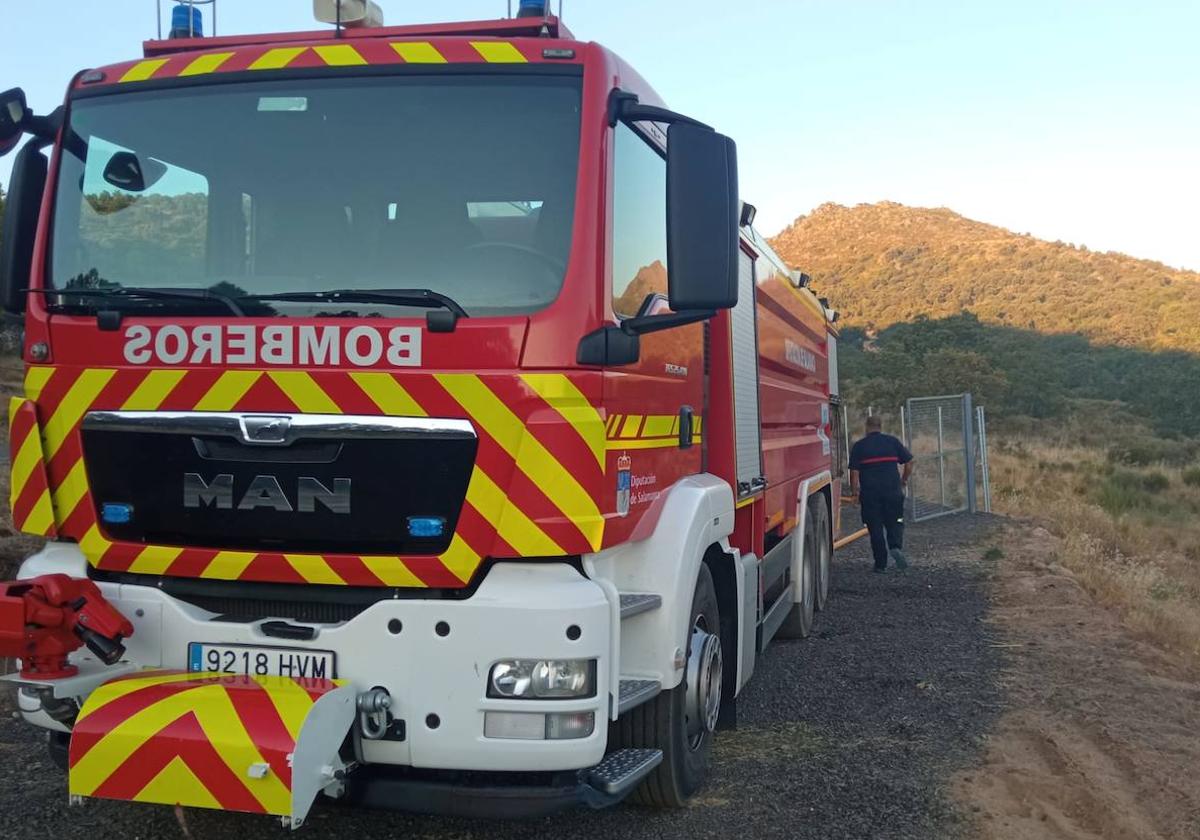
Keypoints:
(432, 656)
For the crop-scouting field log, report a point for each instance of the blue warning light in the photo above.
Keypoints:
(116, 513)
(182, 27)
(534, 8)
(426, 526)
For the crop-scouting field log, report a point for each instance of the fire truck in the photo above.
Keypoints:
(413, 416)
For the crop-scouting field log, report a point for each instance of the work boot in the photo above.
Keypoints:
(879, 570)
(898, 558)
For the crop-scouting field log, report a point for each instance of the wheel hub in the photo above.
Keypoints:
(704, 677)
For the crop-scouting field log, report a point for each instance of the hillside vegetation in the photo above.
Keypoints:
(887, 263)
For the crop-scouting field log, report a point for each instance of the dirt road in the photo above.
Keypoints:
(967, 698)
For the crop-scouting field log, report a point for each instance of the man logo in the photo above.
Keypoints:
(266, 493)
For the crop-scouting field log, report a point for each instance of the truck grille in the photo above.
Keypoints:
(279, 483)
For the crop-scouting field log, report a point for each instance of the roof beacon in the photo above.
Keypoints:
(533, 8)
(354, 13)
(186, 21)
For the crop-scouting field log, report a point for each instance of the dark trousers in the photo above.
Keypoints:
(883, 514)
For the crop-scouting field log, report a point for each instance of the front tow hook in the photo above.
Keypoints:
(373, 707)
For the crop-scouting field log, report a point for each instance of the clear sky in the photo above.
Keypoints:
(1070, 119)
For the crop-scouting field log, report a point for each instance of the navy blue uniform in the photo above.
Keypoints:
(877, 458)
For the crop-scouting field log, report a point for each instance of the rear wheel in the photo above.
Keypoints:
(680, 722)
(798, 624)
(824, 556)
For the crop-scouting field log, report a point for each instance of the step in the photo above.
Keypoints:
(635, 603)
(622, 770)
(634, 692)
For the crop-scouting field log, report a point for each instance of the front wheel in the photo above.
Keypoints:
(824, 557)
(681, 722)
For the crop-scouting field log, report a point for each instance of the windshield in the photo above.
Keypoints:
(460, 184)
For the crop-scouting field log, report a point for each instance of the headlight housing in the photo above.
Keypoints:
(542, 679)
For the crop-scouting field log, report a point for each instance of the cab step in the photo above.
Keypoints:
(634, 692)
(636, 603)
(622, 770)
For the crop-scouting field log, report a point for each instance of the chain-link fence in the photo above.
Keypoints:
(948, 438)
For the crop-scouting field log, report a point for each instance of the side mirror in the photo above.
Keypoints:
(702, 218)
(20, 226)
(14, 114)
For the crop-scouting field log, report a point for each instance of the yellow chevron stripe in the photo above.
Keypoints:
(206, 64)
(36, 379)
(610, 425)
(151, 391)
(460, 559)
(14, 405)
(313, 568)
(142, 70)
(93, 545)
(388, 394)
(154, 559)
(618, 444)
(498, 52)
(340, 55)
(630, 428)
(304, 391)
(117, 689)
(230, 387)
(533, 459)
(391, 570)
(41, 517)
(69, 491)
(419, 52)
(510, 522)
(217, 717)
(29, 456)
(657, 425)
(70, 411)
(291, 701)
(560, 393)
(177, 783)
(276, 58)
(228, 565)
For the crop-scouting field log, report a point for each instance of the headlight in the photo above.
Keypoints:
(544, 679)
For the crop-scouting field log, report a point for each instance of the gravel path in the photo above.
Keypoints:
(853, 733)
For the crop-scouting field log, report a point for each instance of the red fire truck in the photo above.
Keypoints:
(413, 417)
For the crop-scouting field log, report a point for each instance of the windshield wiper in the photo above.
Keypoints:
(149, 294)
(401, 297)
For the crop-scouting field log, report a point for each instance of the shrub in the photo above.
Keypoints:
(1147, 451)
(1191, 477)
(993, 554)
(1155, 482)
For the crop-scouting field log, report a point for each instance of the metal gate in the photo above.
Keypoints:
(947, 436)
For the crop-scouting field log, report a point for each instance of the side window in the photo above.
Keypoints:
(639, 222)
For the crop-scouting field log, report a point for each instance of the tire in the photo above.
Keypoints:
(799, 623)
(824, 556)
(663, 722)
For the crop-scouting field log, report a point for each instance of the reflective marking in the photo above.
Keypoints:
(460, 559)
(93, 544)
(498, 52)
(313, 568)
(79, 397)
(303, 390)
(388, 394)
(142, 70)
(632, 423)
(228, 565)
(419, 52)
(658, 425)
(391, 570)
(339, 55)
(177, 783)
(29, 457)
(69, 491)
(513, 526)
(36, 379)
(154, 559)
(41, 517)
(206, 64)
(561, 394)
(152, 390)
(230, 387)
(277, 58)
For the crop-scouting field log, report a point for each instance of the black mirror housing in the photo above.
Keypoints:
(702, 218)
(14, 113)
(20, 225)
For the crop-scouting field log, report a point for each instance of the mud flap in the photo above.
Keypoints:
(265, 745)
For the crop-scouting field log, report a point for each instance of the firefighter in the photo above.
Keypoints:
(876, 481)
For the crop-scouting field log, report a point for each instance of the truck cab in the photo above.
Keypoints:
(417, 371)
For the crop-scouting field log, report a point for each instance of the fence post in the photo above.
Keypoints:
(903, 426)
(983, 460)
(941, 457)
(969, 450)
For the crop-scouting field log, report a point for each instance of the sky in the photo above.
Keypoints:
(1073, 120)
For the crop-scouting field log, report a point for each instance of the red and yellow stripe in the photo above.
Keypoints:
(646, 431)
(535, 489)
(362, 53)
(29, 489)
(203, 740)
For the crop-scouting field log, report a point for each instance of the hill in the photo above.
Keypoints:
(887, 263)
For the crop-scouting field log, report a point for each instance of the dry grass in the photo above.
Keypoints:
(1130, 535)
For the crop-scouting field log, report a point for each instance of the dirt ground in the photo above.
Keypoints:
(1101, 733)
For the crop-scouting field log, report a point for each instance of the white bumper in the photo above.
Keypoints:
(520, 610)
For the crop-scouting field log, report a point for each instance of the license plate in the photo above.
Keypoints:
(261, 661)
